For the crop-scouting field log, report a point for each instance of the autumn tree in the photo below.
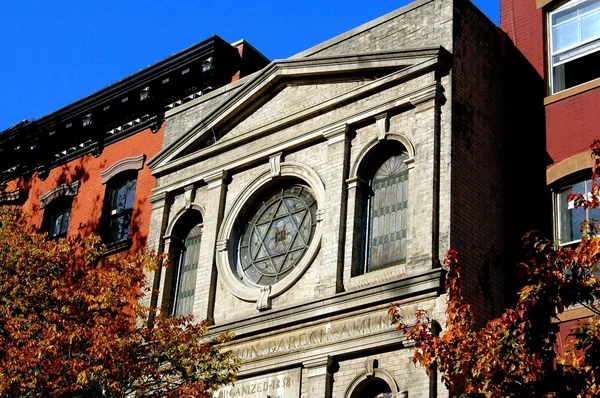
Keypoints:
(515, 354)
(71, 324)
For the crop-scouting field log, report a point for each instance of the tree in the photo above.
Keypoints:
(515, 354)
(71, 324)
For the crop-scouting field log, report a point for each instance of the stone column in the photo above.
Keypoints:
(335, 175)
(207, 270)
(319, 378)
(159, 219)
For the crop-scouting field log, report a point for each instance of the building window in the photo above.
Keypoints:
(56, 217)
(385, 216)
(183, 281)
(276, 236)
(569, 218)
(574, 43)
(118, 207)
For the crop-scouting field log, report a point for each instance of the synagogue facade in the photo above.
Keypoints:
(297, 203)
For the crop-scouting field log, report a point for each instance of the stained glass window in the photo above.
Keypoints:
(184, 280)
(387, 214)
(276, 236)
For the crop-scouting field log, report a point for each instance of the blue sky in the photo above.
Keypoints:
(55, 52)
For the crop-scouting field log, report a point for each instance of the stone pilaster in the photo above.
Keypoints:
(319, 377)
(207, 269)
(338, 150)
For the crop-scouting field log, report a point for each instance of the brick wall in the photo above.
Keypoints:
(87, 204)
(524, 24)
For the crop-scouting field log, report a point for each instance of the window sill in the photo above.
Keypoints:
(116, 247)
(572, 91)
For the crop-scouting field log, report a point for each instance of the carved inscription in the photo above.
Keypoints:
(315, 336)
(277, 385)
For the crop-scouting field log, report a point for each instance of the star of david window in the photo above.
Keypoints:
(276, 235)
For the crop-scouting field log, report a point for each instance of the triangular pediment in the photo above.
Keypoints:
(287, 91)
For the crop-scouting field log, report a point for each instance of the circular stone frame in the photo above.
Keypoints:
(227, 233)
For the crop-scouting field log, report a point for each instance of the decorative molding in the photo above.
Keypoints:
(228, 231)
(356, 183)
(216, 179)
(410, 151)
(568, 166)
(62, 190)
(222, 245)
(160, 197)
(130, 163)
(189, 195)
(336, 133)
(433, 93)
(319, 366)
(17, 196)
(383, 125)
(181, 213)
(275, 164)
(264, 301)
(418, 61)
(370, 365)
(376, 374)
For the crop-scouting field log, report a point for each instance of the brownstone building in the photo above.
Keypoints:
(83, 168)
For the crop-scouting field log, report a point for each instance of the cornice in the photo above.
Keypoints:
(406, 290)
(410, 62)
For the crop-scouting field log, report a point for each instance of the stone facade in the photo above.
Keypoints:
(415, 81)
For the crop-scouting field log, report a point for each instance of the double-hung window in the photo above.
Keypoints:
(118, 208)
(569, 217)
(574, 43)
(56, 217)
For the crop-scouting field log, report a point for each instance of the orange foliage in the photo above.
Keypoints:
(71, 325)
(514, 355)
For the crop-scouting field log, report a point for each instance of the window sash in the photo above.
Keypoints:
(569, 218)
(578, 21)
(184, 281)
(121, 197)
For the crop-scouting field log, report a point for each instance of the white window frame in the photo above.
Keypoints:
(557, 212)
(552, 53)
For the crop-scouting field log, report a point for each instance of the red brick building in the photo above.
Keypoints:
(83, 168)
(561, 40)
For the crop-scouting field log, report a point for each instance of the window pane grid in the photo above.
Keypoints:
(570, 218)
(276, 236)
(185, 279)
(388, 214)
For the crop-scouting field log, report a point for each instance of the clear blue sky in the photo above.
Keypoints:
(55, 52)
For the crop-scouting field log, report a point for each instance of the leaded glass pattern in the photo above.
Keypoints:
(276, 236)
(388, 214)
(185, 279)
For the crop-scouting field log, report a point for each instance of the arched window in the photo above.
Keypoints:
(372, 387)
(180, 281)
(385, 209)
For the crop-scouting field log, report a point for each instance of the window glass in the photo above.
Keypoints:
(387, 217)
(575, 38)
(570, 218)
(184, 281)
(276, 236)
(121, 195)
(56, 217)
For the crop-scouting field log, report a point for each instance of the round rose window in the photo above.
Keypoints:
(276, 236)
